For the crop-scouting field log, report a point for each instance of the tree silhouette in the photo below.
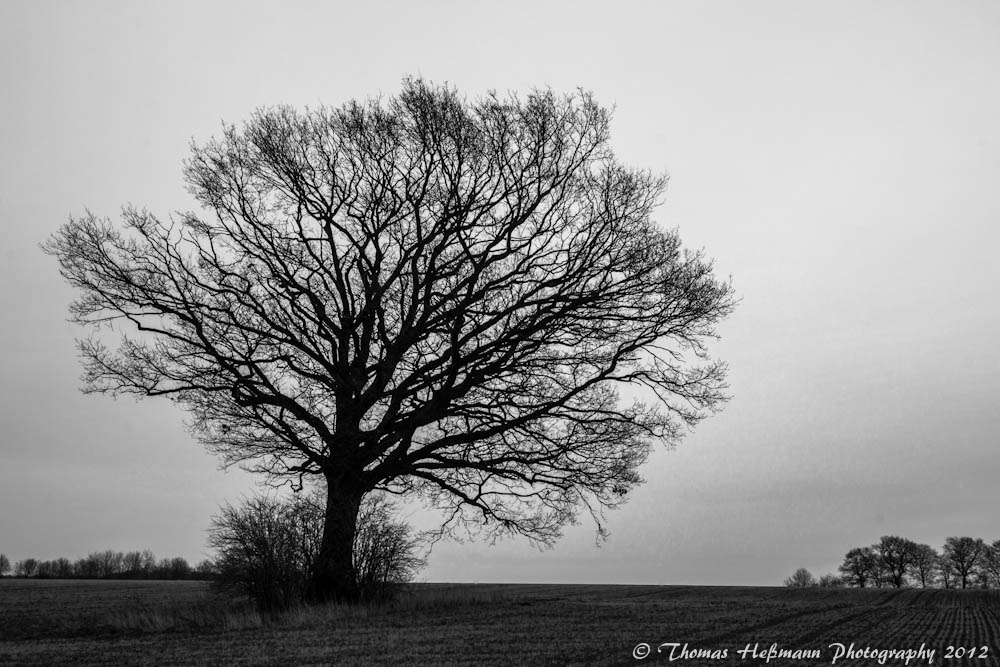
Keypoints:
(991, 562)
(925, 563)
(896, 555)
(801, 578)
(423, 295)
(964, 555)
(860, 566)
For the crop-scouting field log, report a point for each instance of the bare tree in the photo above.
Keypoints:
(206, 569)
(429, 296)
(964, 554)
(831, 581)
(85, 568)
(925, 564)
(896, 555)
(879, 573)
(949, 577)
(802, 578)
(991, 563)
(179, 568)
(108, 563)
(148, 563)
(4, 565)
(860, 567)
(26, 568)
(132, 564)
(64, 568)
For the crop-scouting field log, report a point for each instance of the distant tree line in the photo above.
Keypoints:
(108, 565)
(265, 549)
(895, 562)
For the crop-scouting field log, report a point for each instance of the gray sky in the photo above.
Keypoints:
(839, 159)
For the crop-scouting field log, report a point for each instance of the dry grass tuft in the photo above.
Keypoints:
(212, 617)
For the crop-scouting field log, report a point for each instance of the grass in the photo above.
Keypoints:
(182, 623)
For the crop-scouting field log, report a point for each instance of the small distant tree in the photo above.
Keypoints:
(148, 566)
(925, 564)
(132, 564)
(964, 554)
(4, 565)
(87, 568)
(26, 568)
(63, 568)
(895, 555)
(991, 563)
(179, 568)
(107, 563)
(831, 581)
(206, 569)
(802, 578)
(163, 569)
(860, 567)
(949, 576)
(879, 572)
(46, 569)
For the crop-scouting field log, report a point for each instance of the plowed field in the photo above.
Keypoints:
(182, 623)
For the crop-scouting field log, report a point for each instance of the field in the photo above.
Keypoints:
(182, 623)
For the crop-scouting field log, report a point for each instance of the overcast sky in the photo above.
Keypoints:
(839, 160)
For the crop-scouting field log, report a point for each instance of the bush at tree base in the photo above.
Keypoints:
(267, 547)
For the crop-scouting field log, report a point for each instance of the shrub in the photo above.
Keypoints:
(801, 579)
(386, 553)
(266, 548)
(831, 581)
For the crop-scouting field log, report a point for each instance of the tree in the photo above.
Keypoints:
(991, 563)
(132, 563)
(107, 563)
(4, 565)
(429, 296)
(949, 576)
(206, 569)
(147, 563)
(64, 568)
(45, 569)
(179, 568)
(860, 566)
(26, 568)
(965, 555)
(879, 572)
(924, 564)
(896, 555)
(831, 581)
(802, 578)
(87, 567)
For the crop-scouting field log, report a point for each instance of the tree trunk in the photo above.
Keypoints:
(334, 578)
